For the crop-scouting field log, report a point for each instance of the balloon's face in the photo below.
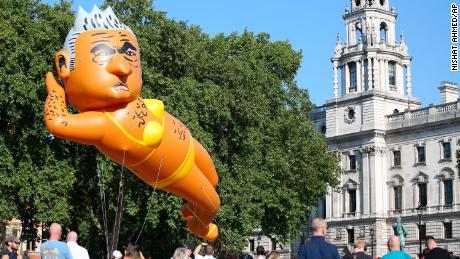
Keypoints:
(107, 70)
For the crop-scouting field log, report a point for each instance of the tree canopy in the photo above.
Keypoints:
(236, 93)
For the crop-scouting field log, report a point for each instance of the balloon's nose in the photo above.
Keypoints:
(119, 67)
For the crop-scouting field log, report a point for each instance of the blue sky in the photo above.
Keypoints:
(312, 26)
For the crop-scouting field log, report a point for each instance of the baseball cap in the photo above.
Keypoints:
(188, 246)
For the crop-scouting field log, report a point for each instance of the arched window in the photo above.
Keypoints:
(391, 73)
(397, 183)
(395, 111)
(359, 33)
(383, 32)
(447, 176)
(353, 78)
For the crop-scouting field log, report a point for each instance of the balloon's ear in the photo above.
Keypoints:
(62, 62)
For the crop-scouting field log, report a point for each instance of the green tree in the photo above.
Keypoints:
(236, 93)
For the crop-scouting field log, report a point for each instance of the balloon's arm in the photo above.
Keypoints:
(86, 128)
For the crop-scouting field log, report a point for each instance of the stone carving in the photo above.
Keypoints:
(349, 115)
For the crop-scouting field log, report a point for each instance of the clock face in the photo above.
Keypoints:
(349, 114)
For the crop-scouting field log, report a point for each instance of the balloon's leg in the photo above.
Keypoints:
(204, 163)
(203, 202)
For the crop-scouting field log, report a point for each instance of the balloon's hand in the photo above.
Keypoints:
(53, 85)
(55, 104)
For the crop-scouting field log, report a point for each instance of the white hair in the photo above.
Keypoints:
(94, 20)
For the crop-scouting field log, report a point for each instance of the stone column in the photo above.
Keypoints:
(365, 183)
(383, 87)
(369, 74)
(336, 80)
(376, 73)
(358, 76)
(358, 201)
(329, 203)
(363, 84)
(344, 84)
(347, 78)
(408, 81)
(387, 76)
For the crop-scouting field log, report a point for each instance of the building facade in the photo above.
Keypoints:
(397, 158)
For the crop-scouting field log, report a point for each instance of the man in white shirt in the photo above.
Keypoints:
(208, 251)
(78, 252)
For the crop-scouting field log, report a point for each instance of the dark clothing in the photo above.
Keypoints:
(358, 255)
(318, 248)
(361, 255)
(438, 253)
(12, 255)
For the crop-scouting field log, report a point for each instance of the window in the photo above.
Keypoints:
(446, 150)
(395, 111)
(420, 154)
(351, 235)
(422, 194)
(447, 229)
(251, 245)
(448, 192)
(352, 162)
(398, 197)
(422, 232)
(352, 201)
(358, 2)
(353, 79)
(323, 207)
(391, 73)
(396, 158)
(273, 244)
(383, 32)
(323, 129)
(382, 2)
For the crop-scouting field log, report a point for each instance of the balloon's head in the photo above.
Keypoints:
(100, 63)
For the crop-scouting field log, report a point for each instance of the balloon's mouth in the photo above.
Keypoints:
(121, 87)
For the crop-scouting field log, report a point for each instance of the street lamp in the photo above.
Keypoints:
(419, 214)
(372, 233)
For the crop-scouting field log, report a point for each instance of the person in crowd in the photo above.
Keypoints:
(53, 248)
(435, 252)
(10, 251)
(133, 251)
(77, 251)
(274, 255)
(180, 253)
(359, 251)
(260, 253)
(231, 255)
(208, 251)
(116, 255)
(425, 252)
(189, 247)
(394, 245)
(317, 247)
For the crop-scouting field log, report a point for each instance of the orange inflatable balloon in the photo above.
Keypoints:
(102, 77)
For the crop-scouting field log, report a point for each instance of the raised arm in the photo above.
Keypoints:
(86, 128)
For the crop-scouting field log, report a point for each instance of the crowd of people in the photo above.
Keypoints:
(317, 247)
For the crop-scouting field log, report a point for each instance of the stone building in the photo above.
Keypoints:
(397, 158)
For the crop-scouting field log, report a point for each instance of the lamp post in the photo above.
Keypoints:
(419, 214)
(372, 233)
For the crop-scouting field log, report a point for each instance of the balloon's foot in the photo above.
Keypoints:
(187, 213)
(212, 233)
(209, 233)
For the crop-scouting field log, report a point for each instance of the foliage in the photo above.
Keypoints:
(236, 93)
